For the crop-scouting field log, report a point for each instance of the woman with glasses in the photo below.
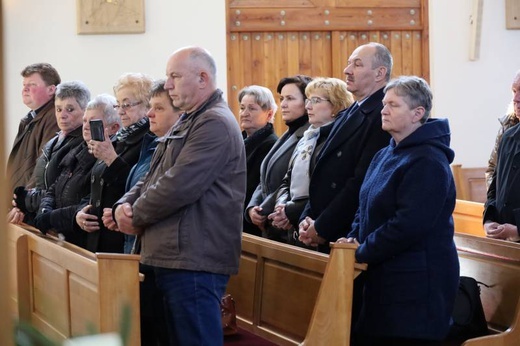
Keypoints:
(325, 98)
(274, 165)
(115, 157)
(257, 110)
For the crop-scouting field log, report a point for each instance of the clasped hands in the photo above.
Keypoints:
(504, 231)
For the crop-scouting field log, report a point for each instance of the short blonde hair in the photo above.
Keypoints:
(139, 84)
(334, 90)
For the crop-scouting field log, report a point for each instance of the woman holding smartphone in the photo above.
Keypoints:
(115, 157)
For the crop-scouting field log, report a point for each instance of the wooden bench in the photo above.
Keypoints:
(497, 264)
(64, 291)
(470, 183)
(277, 287)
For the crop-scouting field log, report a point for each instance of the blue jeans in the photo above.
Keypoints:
(193, 305)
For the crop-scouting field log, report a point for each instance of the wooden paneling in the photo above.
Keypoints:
(65, 291)
(269, 40)
(276, 288)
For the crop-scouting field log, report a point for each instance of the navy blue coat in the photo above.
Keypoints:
(405, 228)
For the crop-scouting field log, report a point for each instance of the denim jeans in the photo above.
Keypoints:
(193, 304)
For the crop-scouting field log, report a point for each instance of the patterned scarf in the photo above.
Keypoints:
(125, 132)
(300, 176)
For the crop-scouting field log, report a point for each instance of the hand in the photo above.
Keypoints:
(505, 231)
(256, 218)
(15, 216)
(348, 240)
(279, 219)
(87, 222)
(308, 234)
(124, 217)
(103, 150)
(108, 221)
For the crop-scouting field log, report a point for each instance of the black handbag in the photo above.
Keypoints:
(468, 316)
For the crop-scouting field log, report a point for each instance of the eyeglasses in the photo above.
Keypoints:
(125, 106)
(315, 100)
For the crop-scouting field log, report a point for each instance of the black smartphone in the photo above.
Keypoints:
(97, 131)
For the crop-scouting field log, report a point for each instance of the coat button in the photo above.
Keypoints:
(92, 179)
(101, 181)
(339, 153)
(98, 203)
(333, 185)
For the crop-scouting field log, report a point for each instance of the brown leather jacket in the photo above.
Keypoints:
(28, 144)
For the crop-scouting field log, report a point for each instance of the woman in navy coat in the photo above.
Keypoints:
(404, 225)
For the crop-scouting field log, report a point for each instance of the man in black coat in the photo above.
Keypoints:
(355, 138)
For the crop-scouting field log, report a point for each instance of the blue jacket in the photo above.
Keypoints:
(405, 229)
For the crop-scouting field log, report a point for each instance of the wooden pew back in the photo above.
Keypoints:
(470, 183)
(495, 263)
(467, 217)
(64, 291)
(276, 289)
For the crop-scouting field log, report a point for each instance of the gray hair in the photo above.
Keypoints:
(263, 97)
(76, 89)
(382, 57)
(106, 103)
(415, 91)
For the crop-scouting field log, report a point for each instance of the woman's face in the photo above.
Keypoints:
(91, 114)
(69, 114)
(291, 102)
(130, 109)
(252, 116)
(161, 114)
(319, 109)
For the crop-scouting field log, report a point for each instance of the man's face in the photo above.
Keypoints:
(182, 82)
(360, 75)
(35, 92)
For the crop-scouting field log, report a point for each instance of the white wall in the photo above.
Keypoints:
(472, 94)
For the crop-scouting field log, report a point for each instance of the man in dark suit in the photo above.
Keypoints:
(38, 126)
(355, 138)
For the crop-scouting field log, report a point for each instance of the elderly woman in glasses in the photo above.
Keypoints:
(325, 98)
(257, 110)
(115, 157)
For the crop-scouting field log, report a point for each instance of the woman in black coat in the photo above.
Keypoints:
(71, 99)
(257, 110)
(115, 159)
(61, 200)
(274, 166)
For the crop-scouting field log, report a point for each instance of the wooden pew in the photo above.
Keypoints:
(497, 264)
(467, 217)
(64, 291)
(277, 287)
(470, 183)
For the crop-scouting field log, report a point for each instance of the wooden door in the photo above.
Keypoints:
(268, 40)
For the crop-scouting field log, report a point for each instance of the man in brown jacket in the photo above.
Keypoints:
(38, 126)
